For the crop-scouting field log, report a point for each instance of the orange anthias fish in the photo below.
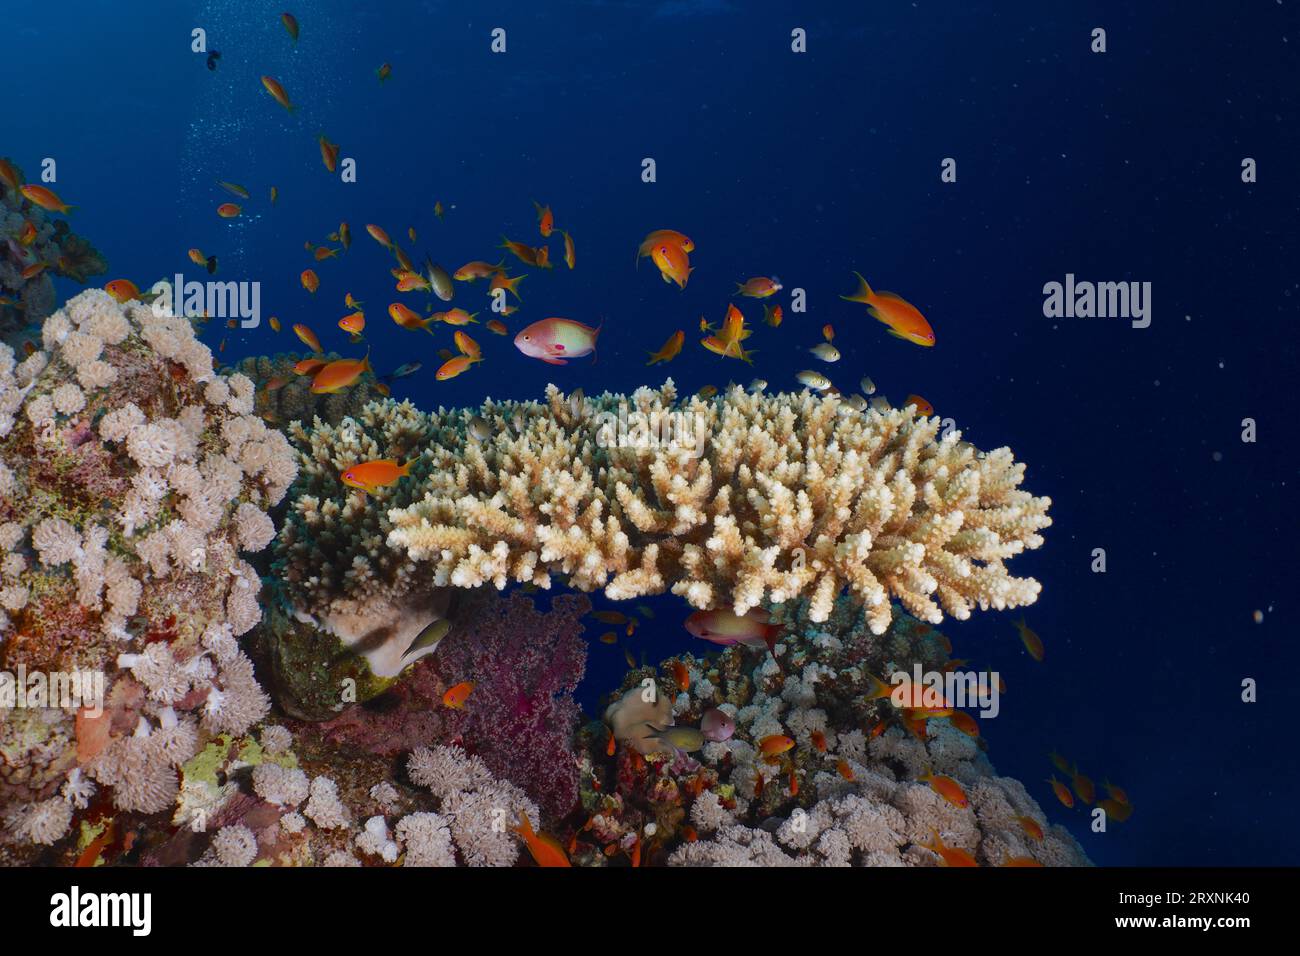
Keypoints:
(28, 235)
(951, 855)
(1031, 827)
(468, 347)
(905, 321)
(1116, 793)
(123, 290)
(1060, 763)
(775, 744)
(1033, 644)
(10, 175)
(545, 850)
(33, 270)
(308, 366)
(497, 326)
(310, 280)
(1084, 788)
(724, 627)
(307, 337)
(524, 253)
(456, 696)
(759, 287)
(291, 24)
(964, 722)
(324, 252)
(379, 236)
(354, 323)
(45, 198)
(370, 476)
(773, 315)
(845, 771)
(473, 271)
(610, 617)
(276, 90)
(545, 219)
(1115, 809)
(340, 374)
(828, 332)
(502, 281)
(670, 349)
(329, 153)
(455, 316)
(384, 72)
(453, 367)
(922, 406)
(411, 282)
(681, 675)
(673, 263)
(1062, 793)
(570, 255)
(409, 319)
(818, 741)
(228, 210)
(663, 235)
(947, 788)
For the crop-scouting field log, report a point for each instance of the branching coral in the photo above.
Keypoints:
(736, 501)
(126, 496)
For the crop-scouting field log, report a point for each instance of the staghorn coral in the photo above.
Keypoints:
(744, 499)
(123, 529)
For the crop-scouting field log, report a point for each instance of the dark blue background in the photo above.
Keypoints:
(1122, 166)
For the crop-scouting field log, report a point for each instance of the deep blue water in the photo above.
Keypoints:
(1116, 166)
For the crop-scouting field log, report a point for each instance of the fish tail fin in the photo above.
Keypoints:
(877, 689)
(404, 470)
(525, 827)
(365, 362)
(863, 292)
(740, 287)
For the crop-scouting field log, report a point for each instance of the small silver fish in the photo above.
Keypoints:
(868, 385)
(826, 352)
(428, 638)
(577, 403)
(517, 421)
(758, 385)
(814, 380)
(881, 404)
(857, 403)
(479, 429)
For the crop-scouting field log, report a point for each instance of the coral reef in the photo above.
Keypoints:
(735, 501)
(284, 397)
(132, 477)
(25, 302)
(847, 789)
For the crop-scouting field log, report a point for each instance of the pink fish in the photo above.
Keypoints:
(717, 725)
(725, 628)
(554, 341)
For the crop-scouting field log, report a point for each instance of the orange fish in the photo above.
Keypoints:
(1062, 793)
(1115, 810)
(660, 236)
(759, 287)
(1033, 644)
(818, 741)
(570, 256)
(951, 855)
(384, 72)
(497, 326)
(45, 198)
(473, 271)
(340, 374)
(307, 337)
(291, 24)
(775, 744)
(611, 746)
(412, 281)
(673, 263)
(610, 617)
(308, 366)
(681, 675)
(123, 290)
(947, 788)
(33, 270)
(1061, 764)
(502, 281)
(468, 347)
(723, 627)
(828, 332)
(354, 323)
(352, 303)
(28, 235)
(456, 696)
(329, 153)
(524, 253)
(456, 316)
(794, 783)
(409, 319)
(410, 231)
(545, 850)
(276, 90)
(845, 771)
(1031, 827)
(1084, 787)
(964, 722)
(557, 340)
(325, 252)
(545, 220)
(453, 367)
(10, 175)
(609, 637)
(276, 382)
(228, 210)
(670, 349)
(922, 407)
(310, 280)
(1115, 792)
(379, 236)
(905, 321)
(772, 315)
(370, 476)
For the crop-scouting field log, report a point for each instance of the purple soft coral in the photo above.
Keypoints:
(521, 716)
